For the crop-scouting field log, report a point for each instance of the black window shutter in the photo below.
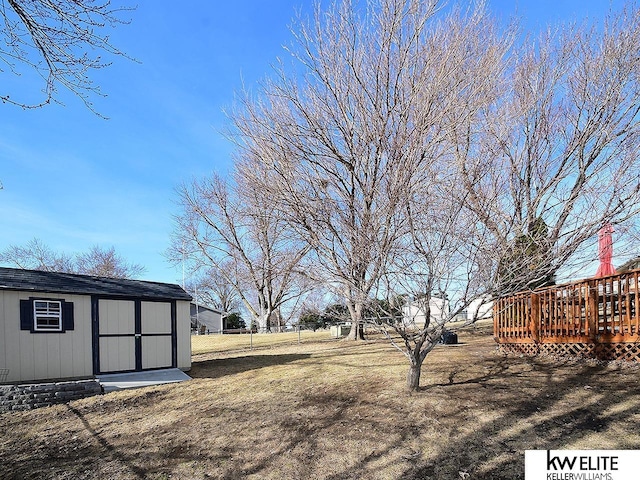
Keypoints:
(67, 316)
(26, 315)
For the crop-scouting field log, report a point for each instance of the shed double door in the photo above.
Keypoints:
(133, 335)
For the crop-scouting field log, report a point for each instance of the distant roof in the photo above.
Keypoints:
(55, 282)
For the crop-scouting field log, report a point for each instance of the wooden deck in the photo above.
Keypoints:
(596, 317)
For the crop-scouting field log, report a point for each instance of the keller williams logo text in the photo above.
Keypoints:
(582, 463)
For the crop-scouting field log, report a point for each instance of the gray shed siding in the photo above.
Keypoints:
(184, 335)
(38, 356)
(45, 356)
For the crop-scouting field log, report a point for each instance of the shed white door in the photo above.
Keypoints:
(134, 335)
(156, 334)
(117, 335)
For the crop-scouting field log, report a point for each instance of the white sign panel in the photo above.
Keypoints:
(582, 464)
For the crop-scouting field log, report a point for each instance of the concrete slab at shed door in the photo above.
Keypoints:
(120, 381)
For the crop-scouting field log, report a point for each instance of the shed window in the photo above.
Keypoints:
(47, 315)
(43, 315)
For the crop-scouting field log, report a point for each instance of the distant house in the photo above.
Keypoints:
(479, 309)
(206, 320)
(414, 312)
(59, 325)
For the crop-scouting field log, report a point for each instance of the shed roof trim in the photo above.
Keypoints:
(56, 282)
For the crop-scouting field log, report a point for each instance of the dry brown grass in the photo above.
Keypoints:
(333, 410)
(230, 343)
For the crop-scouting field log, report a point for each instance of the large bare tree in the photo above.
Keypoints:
(559, 154)
(421, 153)
(232, 231)
(58, 40)
(532, 177)
(340, 139)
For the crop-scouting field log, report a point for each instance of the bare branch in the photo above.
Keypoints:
(56, 40)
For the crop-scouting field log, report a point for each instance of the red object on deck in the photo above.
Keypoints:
(605, 251)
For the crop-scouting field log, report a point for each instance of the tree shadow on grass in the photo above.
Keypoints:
(79, 447)
(218, 368)
(501, 407)
(107, 448)
(547, 418)
(514, 405)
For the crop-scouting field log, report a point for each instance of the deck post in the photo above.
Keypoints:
(534, 325)
(496, 323)
(593, 312)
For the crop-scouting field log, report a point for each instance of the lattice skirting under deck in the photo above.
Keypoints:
(601, 351)
(531, 349)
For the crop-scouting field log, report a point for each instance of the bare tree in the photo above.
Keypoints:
(424, 158)
(234, 231)
(35, 255)
(340, 142)
(102, 262)
(440, 269)
(531, 178)
(213, 289)
(558, 156)
(98, 261)
(56, 39)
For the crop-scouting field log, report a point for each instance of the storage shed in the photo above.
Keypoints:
(62, 326)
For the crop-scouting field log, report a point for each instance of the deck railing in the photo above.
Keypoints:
(595, 317)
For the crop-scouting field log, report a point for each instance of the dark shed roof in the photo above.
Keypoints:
(55, 282)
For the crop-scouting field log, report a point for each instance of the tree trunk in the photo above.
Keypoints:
(264, 323)
(356, 332)
(413, 377)
(275, 321)
(357, 327)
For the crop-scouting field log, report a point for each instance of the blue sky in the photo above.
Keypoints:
(75, 180)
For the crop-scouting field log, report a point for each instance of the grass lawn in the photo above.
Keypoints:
(229, 343)
(327, 409)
